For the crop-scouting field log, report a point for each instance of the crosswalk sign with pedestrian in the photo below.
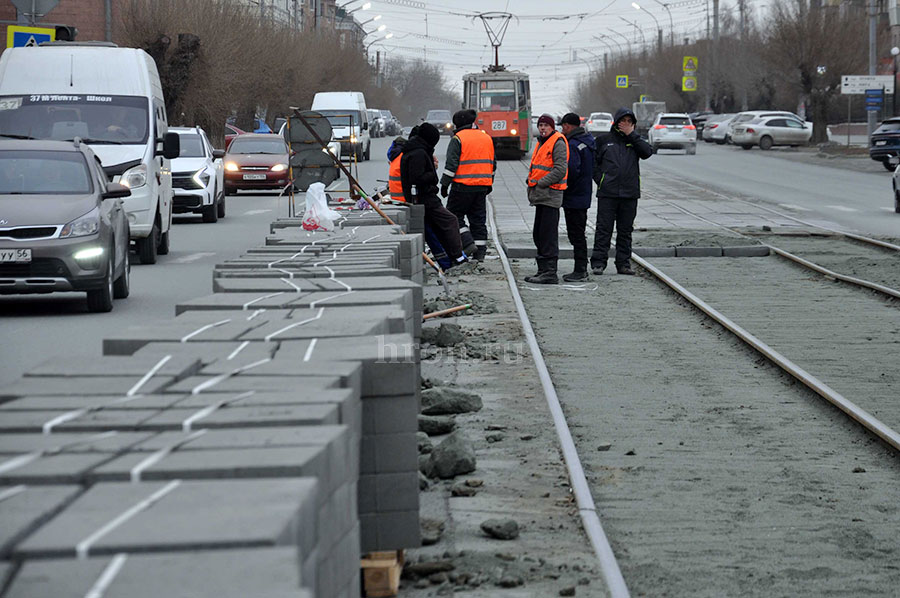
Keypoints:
(622, 81)
(27, 37)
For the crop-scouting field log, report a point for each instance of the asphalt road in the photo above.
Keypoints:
(822, 194)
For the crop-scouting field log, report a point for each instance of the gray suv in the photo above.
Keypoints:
(62, 225)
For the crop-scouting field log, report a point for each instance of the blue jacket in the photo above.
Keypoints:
(579, 187)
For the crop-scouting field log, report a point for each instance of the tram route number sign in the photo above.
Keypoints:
(858, 84)
(622, 81)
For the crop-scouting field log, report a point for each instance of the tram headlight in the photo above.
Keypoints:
(513, 132)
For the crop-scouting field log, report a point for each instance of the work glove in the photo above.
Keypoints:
(444, 190)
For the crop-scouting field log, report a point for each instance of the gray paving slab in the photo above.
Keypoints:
(383, 492)
(42, 469)
(649, 252)
(248, 302)
(307, 272)
(177, 366)
(82, 385)
(332, 323)
(244, 417)
(78, 420)
(216, 327)
(233, 285)
(110, 442)
(247, 383)
(340, 569)
(747, 251)
(260, 573)
(208, 352)
(278, 261)
(180, 516)
(391, 414)
(64, 402)
(389, 531)
(24, 509)
(389, 453)
(288, 364)
(698, 251)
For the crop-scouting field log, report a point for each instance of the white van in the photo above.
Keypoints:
(112, 99)
(346, 110)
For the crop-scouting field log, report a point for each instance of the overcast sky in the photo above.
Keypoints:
(540, 42)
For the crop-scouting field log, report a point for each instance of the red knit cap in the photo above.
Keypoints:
(547, 120)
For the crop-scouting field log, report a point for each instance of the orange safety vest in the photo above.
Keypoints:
(395, 186)
(476, 160)
(542, 162)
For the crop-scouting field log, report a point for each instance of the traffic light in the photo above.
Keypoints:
(66, 33)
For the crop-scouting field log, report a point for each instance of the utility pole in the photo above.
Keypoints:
(872, 115)
(742, 5)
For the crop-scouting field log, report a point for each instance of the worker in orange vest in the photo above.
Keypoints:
(469, 175)
(546, 182)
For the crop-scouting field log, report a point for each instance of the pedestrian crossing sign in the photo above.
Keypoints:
(690, 64)
(689, 83)
(26, 37)
(643, 98)
(622, 81)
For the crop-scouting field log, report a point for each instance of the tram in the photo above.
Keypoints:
(502, 100)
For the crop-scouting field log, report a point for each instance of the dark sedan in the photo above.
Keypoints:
(884, 146)
(62, 225)
(256, 162)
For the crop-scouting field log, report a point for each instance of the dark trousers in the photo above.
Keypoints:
(444, 225)
(472, 207)
(619, 213)
(546, 236)
(576, 221)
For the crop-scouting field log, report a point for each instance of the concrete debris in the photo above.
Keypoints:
(501, 529)
(447, 401)
(495, 437)
(423, 481)
(435, 426)
(427, 568)
(462, 489)
(569, 591)
(452, 457)
(510, 581)
(424, 443)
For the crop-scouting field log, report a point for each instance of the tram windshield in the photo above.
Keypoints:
(497, 96)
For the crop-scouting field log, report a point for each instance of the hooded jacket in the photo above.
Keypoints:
(581, 170)
(616, 168)
(541, 194)
(417, 170)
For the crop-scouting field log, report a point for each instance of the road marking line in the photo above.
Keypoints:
(255, 212)
(842, 208)
(193, 257)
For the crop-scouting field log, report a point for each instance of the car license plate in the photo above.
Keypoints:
(254, 177)
(18, 256)
(881, 142)
(499, 125)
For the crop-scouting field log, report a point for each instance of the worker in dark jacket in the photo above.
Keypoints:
(469, 168)
(618, 177)
(419, 179)
(546, 182)
(579, 188)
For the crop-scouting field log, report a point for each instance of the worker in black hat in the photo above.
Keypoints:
(577, 195)
(419, 179)
(469, 175)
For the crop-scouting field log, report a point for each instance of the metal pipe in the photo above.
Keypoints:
(108, 12)
(586, 507)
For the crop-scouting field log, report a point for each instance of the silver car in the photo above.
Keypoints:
(62, 225)
(716, 129)
(673, 131)
(772, 131)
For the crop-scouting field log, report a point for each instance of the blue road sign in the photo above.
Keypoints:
(18, 36)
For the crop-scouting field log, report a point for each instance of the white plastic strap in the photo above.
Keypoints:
(83, 548)
(159, 455)
(258, 299)
(203, 329)
(133, 390)
(309, 350)
(258, 312)
(295, 324)
(186, 424)
(291, 283)
(371, 239)
(10, 492)
(106, 578)
(20, 461)
(240, 348)
(213, 381)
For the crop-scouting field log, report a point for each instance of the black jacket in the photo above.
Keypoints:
(417, 170)
(616, 168)
(581, 169)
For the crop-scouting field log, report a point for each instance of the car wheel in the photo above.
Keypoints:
(728, 139)
(122, 285)
(720, 141)
(229, 191)
(147, 246)
(220, 207)
(746, 147)
(101, 300)
(896, 202)
(888, 166)
(163, 248)
(765, 143)
(211, 212)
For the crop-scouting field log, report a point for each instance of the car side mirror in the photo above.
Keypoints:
(116, 191)
(171, 146)
(218, 154)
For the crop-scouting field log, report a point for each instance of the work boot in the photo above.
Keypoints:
(598, 270)
(625, 270)
(545, 277)
(480, 252)
(576, 276)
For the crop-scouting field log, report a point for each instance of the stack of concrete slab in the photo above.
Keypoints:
(264, 436)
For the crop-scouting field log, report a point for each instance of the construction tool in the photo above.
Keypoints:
(447, 312)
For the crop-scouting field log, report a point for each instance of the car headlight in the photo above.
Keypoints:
(279, 168)
(89, 224)
(201, 177)
(448, 125)
(134, 177)
(231, 167)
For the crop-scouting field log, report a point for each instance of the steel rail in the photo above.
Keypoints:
(854, 411)
(874, 286)
(612, 575)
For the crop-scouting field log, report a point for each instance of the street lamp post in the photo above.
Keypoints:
(894, 51)
(638, 29)
(659, 34)
(671, 23)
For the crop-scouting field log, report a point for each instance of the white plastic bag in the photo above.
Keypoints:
(318, 215)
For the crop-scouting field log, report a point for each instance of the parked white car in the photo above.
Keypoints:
(598, 123)
(198, 176)
(673, 130)
(771, 131)
(716, 129)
